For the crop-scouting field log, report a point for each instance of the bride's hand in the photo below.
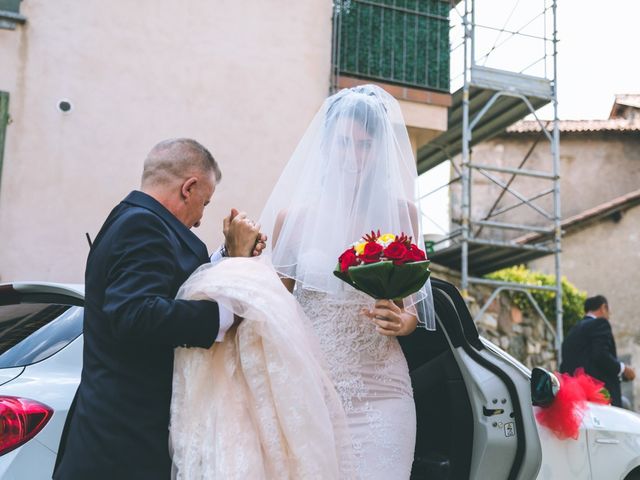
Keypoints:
(390, 319)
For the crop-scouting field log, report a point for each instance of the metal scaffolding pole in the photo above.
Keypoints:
(555, 146)
(505, 84)
(466, 140)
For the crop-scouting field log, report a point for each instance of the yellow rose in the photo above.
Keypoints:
(359, 247)
(387, 238)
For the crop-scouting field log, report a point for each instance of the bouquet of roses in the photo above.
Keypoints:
(384, 266)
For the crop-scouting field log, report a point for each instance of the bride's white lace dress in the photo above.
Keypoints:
(259, 405)
(371, 376)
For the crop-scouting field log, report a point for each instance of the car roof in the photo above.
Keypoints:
(70, 289)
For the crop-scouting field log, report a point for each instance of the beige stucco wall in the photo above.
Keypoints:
(244, 78)
(594, 168)
(604, 258)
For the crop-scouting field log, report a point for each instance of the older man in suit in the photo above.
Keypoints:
(590, 345)
(118, 424)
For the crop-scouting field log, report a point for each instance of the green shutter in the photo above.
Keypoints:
(12, 6)
(10, 15)
(4, 121)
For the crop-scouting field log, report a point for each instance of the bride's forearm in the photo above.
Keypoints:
(409, 323)
(289, 283)
(409, 319)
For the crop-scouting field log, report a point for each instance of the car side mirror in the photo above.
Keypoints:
(544, 387)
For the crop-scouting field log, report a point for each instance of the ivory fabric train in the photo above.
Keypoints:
(260, 404)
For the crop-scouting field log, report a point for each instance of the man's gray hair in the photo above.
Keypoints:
(177, 158)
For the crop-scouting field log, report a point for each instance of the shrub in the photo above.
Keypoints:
(572, 298)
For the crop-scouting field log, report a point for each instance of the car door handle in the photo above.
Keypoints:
(608, 441)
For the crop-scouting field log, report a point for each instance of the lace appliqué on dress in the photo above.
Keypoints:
(371, 376)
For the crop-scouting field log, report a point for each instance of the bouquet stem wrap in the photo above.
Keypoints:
(386, 280)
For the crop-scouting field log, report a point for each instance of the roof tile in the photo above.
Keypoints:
(610, 125)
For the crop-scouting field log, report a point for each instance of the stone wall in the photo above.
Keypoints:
(529, 340)
(526, 338)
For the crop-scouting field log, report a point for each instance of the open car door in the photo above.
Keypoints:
(475, 418)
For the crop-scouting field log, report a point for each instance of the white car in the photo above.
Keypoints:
(473, 401)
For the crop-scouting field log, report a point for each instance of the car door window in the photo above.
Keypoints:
(31, 332)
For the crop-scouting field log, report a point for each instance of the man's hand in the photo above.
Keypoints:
(629, 373)
(242, 236)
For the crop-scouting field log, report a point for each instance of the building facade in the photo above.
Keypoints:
(87, 88)
(600, 200)
(599, 161)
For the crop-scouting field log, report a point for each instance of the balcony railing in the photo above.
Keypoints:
(405, 42)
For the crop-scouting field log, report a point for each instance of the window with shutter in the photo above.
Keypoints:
(10, 14)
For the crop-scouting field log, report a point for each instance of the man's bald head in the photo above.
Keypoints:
(171, 161)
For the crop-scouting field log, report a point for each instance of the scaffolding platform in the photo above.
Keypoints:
(504, 94)
(485, 257)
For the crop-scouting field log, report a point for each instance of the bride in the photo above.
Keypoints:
(276, 400)
(353, 172)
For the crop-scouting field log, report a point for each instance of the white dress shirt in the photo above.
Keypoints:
(225, 315)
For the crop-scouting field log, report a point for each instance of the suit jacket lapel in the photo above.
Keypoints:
(143, 200)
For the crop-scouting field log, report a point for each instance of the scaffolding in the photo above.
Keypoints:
(489, 100)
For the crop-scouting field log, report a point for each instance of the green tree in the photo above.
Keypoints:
(572, 298)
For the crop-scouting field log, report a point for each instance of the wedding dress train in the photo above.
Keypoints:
(258, 405)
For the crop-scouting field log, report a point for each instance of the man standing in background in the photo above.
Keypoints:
(590, 345)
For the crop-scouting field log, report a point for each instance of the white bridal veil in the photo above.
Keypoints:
(352, 172)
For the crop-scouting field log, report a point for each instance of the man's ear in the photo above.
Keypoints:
(187, 187)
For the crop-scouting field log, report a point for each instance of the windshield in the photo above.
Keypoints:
(31, 332)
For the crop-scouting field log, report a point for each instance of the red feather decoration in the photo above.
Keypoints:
(564, 415)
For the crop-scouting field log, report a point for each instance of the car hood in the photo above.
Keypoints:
(614, 419)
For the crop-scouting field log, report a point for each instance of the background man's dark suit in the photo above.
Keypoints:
(118, 426)
(590, 345)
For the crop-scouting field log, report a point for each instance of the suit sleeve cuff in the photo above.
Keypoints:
(621, 369)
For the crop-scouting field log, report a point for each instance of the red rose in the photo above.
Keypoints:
(372, 252)
(397, 252)
(348, 259)
(414, 254)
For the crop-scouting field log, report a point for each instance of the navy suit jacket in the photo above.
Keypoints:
(118, 425)
(590, 345)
